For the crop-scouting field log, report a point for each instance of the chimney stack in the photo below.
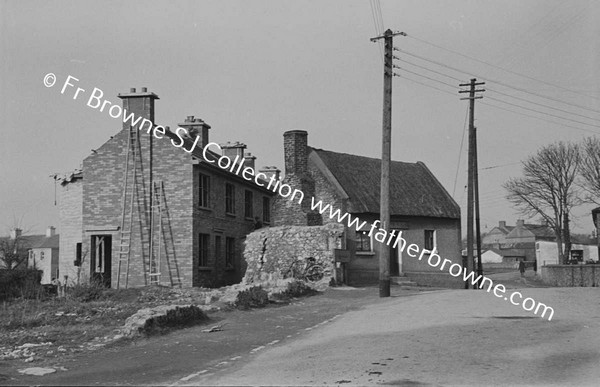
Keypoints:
(141, 104)
(295, 143)
(520, 223)
(249, 160)
(271, 171)
(50, 231)
(502, 224)
(233, 150)
(196, 128)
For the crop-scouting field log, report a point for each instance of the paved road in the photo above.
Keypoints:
(438, 338)
(354, 337)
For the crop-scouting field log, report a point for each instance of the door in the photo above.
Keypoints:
(101, 259)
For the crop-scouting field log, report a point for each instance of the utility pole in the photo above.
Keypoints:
(471, 177)
(476, 198)
(386, 150)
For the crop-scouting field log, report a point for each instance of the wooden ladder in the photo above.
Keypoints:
(129, 195)
(156, 227)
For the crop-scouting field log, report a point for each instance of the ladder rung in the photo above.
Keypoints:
(153, 274)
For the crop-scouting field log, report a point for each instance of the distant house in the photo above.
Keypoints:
(420, 208)
(530, 233)
(491, 256)
(497, 235)
(37, 252)
(44, 255)
(546, 252)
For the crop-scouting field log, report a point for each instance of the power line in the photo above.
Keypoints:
(462, 141)
(499, 92)
(543, 105)
(549, 114)
(495, 81)
(498, 67)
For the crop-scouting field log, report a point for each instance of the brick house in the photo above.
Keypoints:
(497, 235)
(420, 207)
(188, 217)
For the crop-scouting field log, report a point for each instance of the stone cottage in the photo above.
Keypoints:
(143, 211)
(420, 207)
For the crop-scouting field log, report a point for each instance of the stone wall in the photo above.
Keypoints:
(571, 275)
(271, 251)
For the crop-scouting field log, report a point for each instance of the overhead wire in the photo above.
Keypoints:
(462, 141)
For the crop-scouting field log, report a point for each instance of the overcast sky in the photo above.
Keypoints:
(254, 69)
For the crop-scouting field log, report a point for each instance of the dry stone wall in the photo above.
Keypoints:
(270, 252)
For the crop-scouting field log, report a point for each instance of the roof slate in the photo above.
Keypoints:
(414, 191)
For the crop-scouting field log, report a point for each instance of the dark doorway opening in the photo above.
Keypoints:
(101, 259)
(394, 264)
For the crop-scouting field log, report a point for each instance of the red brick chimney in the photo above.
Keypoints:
(295, 143)
(249, 160)
(271, 171)
(141, 104)
(233, 150)
(196, 128)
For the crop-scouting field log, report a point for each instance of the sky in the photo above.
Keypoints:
(255, 69)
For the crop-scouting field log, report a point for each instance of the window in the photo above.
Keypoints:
(229, 198)
(430, 242)
(229, 252)
(41, 255)
(77, 255)
(204, 191)
(248, 205)
(266, 210)
(203, 241)
(363, 241)
(217, 248)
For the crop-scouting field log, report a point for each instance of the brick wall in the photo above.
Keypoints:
(70, 213)
(290, 212)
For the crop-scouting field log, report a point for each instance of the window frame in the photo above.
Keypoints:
(432, 240)
(229, 199)
(363, 236)
(248, 204)
(229, 253)
(204, 191)
(266, 215)
(203, 250)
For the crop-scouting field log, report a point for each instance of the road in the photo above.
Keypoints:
(353, 337)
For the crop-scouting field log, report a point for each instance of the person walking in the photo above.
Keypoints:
(522, 268)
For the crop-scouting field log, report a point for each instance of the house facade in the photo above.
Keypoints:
(497, 235)
(420, 208)
(154, 213)
(44, 255)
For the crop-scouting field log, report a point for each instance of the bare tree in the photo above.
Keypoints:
(13, 251)
(590, 169)
(548, 189)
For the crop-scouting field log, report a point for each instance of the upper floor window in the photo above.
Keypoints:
(266, 210)
(363, 241)
(430, 242)
(204, 191)
(229, 198)
(248, 204)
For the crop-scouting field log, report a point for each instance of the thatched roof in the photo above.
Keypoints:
(414, 191)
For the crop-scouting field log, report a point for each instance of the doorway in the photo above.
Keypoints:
(395, 261)
(101, 259)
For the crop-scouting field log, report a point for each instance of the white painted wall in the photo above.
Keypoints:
(490, 256)
(546, 253)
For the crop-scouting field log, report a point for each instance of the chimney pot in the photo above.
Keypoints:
(132, 90)
(189, 119)
(144, 89)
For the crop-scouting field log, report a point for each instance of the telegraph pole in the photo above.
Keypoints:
(476, 198)
(471, 177)
(386, 149)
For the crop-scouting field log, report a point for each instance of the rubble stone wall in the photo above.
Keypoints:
(270, 252)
